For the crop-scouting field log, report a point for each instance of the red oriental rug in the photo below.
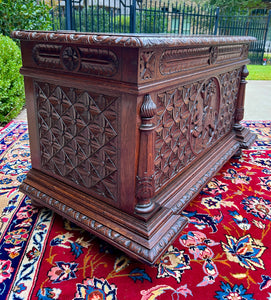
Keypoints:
(223, 253)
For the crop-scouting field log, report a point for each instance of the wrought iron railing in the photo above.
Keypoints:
(160, 16)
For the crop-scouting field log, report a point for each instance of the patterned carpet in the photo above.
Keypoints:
(223, 253)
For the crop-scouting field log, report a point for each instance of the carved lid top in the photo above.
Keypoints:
(128, 40)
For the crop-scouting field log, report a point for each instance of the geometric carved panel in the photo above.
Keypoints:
(229, 83)
(79, 137)
(190, 119)
(93, 61)
(172, 146)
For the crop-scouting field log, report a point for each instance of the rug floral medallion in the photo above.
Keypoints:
(223, 253)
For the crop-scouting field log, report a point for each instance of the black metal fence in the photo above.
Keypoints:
(160, 16)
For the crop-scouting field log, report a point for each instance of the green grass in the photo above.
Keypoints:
(259, 72)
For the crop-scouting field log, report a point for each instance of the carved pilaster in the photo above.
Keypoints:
(239, 114)
(145, 174)
(244, 136)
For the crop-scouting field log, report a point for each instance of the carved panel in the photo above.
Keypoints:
(190, 119)
(245, 49)
(79, 137)
(204, 116)
(92, 61)
(172, 142)
(229, 83)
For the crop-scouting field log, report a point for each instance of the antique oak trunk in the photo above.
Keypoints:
(126, 129)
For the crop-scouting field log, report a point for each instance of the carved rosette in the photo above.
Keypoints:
(70, 58)
(145, 177)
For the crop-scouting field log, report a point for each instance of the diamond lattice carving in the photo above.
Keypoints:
(78, 137)
(229, 83)
(172, 146)
(190, 119)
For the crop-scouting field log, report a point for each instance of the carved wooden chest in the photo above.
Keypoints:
(126, 130)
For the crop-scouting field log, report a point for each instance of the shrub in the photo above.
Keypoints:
(23, 14)
(11, 81)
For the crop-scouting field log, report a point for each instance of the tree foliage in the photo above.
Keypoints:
(235, 5)
(23, 14)
(11, 81)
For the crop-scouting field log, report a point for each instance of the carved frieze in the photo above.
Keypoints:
(79, 137)
(99, 62)
(177, 60)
